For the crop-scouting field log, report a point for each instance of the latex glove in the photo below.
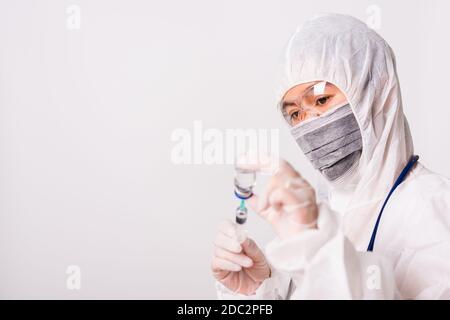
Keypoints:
(241, 267)
(288, 202)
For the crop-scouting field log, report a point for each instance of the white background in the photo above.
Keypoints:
(86, 118)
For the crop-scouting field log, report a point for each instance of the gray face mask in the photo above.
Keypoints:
(332, 142)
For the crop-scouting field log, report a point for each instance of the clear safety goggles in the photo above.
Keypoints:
(314, 102)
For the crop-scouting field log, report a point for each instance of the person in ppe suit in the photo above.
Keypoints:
(383, 229)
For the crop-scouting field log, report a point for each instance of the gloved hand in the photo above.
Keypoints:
(288, 202)
(241, 267)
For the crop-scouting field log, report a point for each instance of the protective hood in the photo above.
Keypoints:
(342, 50)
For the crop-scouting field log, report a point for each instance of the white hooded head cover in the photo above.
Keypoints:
(342, 50)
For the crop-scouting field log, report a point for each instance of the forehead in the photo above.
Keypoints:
(298, 90)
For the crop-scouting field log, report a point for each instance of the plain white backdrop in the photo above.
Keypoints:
(88, 107)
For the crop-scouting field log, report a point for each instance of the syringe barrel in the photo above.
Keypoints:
(241, 215)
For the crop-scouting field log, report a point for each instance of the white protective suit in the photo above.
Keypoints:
(411, 257)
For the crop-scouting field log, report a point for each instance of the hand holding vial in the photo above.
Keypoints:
(288, 201)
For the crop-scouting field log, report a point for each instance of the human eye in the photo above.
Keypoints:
(321, 101)
(294, 116)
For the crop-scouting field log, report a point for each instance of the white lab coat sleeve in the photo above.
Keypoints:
(323, 264)
(275, 287)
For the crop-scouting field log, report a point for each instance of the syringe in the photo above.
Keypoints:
(244, 182)
(241, 219)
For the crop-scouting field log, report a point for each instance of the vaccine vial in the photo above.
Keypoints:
(244, 181)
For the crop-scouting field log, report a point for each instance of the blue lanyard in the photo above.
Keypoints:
(399, 180)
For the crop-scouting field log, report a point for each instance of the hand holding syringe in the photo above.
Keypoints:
(288, 201)
(288, 204)
(244, 181)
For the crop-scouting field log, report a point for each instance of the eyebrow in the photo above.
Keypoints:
(286, 104)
